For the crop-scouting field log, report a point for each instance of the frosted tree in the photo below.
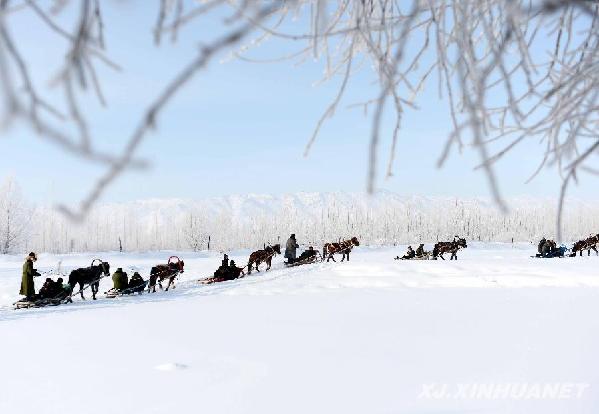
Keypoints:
(15, 216)
(509, 70)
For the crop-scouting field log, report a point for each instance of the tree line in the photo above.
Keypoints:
(248, 222)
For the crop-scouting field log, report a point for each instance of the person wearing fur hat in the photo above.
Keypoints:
(27, 286)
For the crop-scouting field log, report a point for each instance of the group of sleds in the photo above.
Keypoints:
(549, 249)
(54, 293)
(230, 271)
(545, 249)
(440, 248)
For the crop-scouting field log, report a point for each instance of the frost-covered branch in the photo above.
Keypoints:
(511, 71)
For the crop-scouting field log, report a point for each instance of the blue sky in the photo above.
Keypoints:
(241, 127)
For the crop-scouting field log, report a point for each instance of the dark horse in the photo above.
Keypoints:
(343, 247)
(89, 276)
(587, 244)
(449, 247)
(169, 271)
(265, 256)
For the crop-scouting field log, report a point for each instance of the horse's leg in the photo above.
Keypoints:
(348, 252)
(95, 289)
(258, 266)
(250, 268)
(268, 264)
(170, 281)
(441, 256)
(160, 284)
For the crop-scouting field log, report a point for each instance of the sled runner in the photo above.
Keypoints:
(299, 261)
(39, 303)
(139, 289)
(425, 256)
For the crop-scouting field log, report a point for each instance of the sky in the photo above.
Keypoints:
(240, 127)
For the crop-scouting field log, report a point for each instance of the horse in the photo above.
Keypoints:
(265, 256)
(343, 247)
(89, 276)
(587, 244)
(169, 271)
(449, 247)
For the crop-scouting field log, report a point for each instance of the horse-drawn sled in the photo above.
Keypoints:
(37, 302)
(228, 270)
(440, 248)
(308, 256)
(125, 287)
(548, 249)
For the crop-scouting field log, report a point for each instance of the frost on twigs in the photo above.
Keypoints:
(510, 71)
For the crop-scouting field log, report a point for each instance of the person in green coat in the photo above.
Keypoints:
(120, 279)
(27, 286)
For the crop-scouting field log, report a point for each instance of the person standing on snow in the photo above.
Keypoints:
(27, 286)
(291, 248)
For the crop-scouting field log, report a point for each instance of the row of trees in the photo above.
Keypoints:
(250, 221)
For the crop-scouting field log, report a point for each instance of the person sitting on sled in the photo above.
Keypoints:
(27, 286)
(48, 290)
(224, 267)
(234, 272)
(541, 245)
(62, 290)
(120, 280)
(308, 254)
(420, 250)
(410, 254)
(136, 284)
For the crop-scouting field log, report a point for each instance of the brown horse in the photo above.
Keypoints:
(265, 256)
(169, 271)
(449, 247)
(343, 247)
(587, 244)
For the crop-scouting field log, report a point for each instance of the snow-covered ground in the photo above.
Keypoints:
(370, 336)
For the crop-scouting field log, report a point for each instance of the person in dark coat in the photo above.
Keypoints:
(291, 248)
(308, 254)
(410, 254)
(136, 284)
(420, 250)
(233, 272)
(120, 279)
(48, 289)
(27, 286)
(541, 245)
(224, 267)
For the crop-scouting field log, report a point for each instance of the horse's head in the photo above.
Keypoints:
(105, 266)
(72, 279)
(277, 248)
(462, 243)
(175, 265)
(355, 241)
